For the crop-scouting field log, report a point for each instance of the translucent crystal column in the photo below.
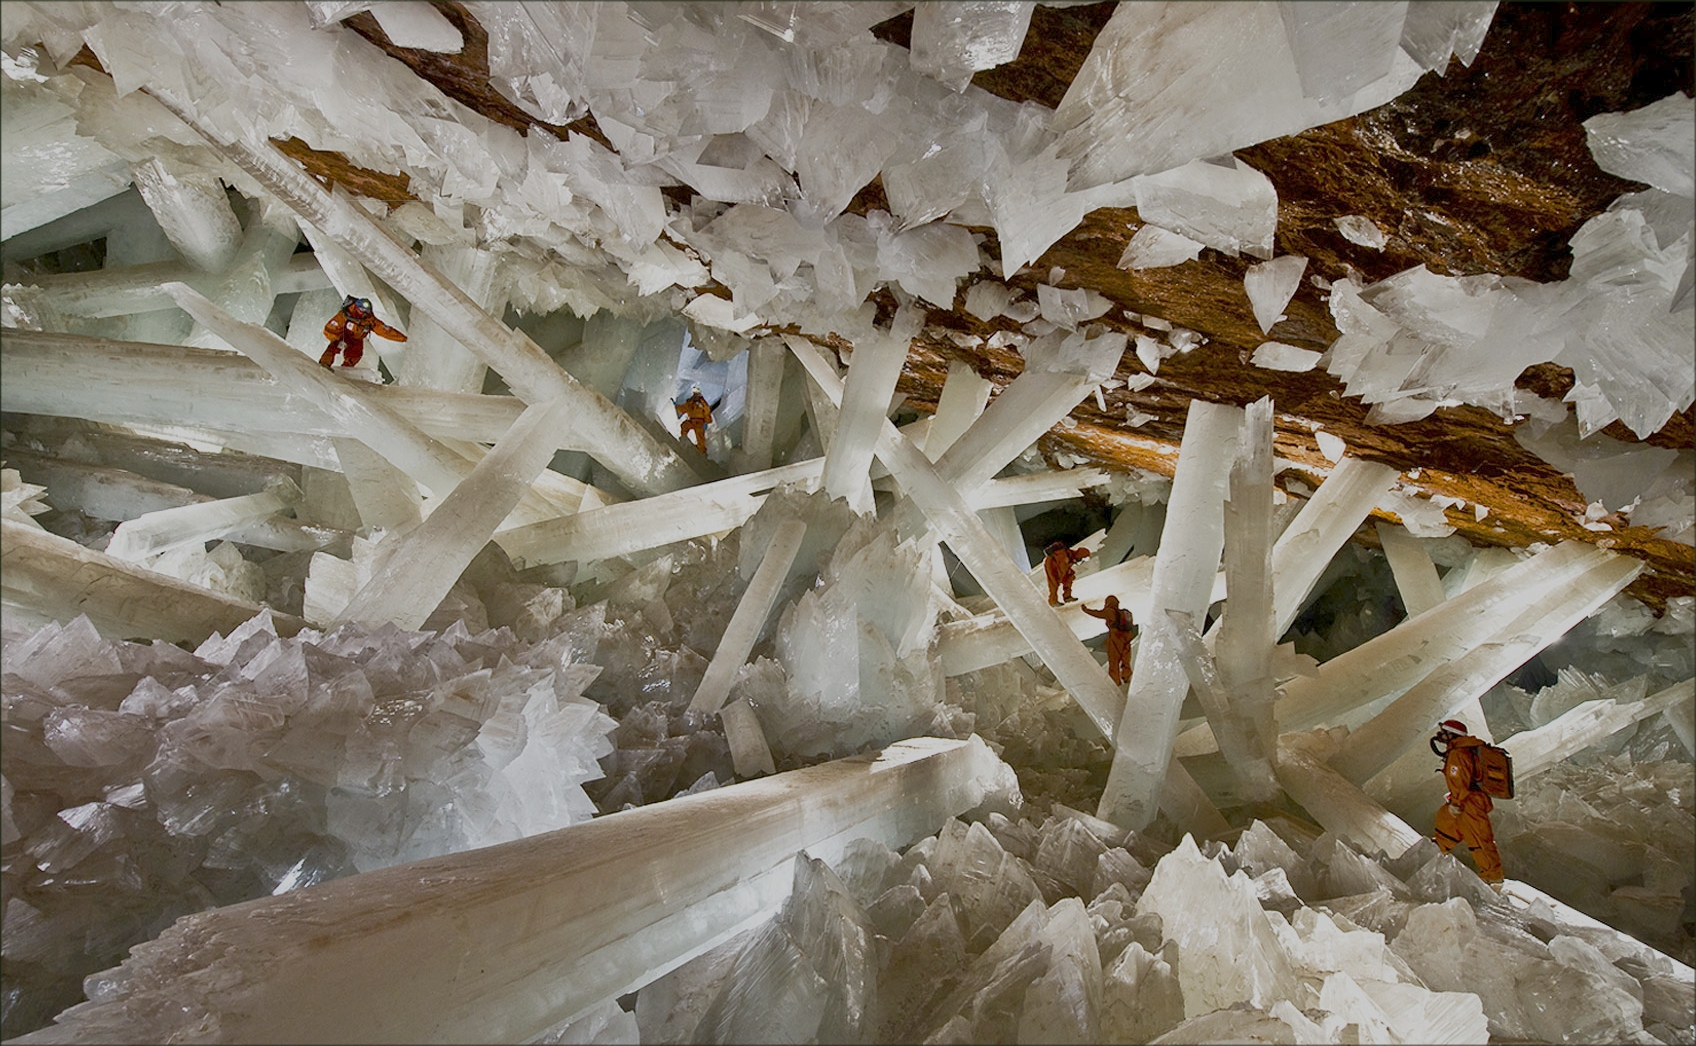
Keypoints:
(765, 391)
(750, 617)
(193, 211)
(964, 396)
(1388, 664)
(625, 448)
(434, 359)
(1245, 634)
(384, 496)
(418, 570)
(1244, 749)
(1183, 580)
(131, 289)
(1415, 790)
(117, 494)
(1411, 717)
(70, 375)
(1416, 576)
(245, 290)
(953, 518)
(1029, 406)
(500, 943)
(1336, 803)
(58, 578)
(872, 373)
(615, 530)
(155, 532)
(385, 431)
(1343, 500)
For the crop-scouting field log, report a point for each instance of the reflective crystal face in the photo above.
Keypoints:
(657, 603)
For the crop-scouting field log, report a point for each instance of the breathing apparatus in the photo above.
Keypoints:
(1447, 731)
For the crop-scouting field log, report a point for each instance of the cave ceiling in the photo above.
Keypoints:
(1481, 170)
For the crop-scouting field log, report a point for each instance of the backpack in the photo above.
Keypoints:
(1495, 772)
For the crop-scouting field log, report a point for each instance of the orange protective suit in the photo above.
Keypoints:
(347, 333)
(1058, 565)
(1121, 629)
(1465, 816)
(696, 413)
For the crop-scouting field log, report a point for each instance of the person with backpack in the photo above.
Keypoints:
(696, 413)
(1473, 769)
(348, 329)
(1121, 629)
(1059, 564)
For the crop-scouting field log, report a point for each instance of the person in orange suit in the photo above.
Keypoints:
(1058, 565)
(1464, 816)
(696, 414)
(1121, 629)
(350, 327)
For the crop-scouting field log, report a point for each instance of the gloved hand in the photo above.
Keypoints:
(1454, 810)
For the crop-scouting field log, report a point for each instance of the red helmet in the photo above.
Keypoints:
(1453, 726)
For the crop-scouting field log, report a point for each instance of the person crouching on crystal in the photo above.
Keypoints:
(1464, 816)
(1058, 564)
(696, 414)
(1121, 629)
(349, 329)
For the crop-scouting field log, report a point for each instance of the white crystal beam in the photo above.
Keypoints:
(1036, 487)
(166, 529)
(132, 289)
(194, 213)
(117, 494)
(612, 437)
(1416, 576)
(1184, 569)
(60, 579)
(1415, 789)
(1244, 747)
(419, 456)
(749, 617)
(1245, 635)
(1335, 802)
(765, 389)
(989, 639)
(1411, 717)
(383, 495)
(71, 375)
(1343, 500)
(416, 573)
(615, 530)
(434, 358)
(1384, 667)
(964, 396)
(872, 372)
(954, 519)
(501, 943)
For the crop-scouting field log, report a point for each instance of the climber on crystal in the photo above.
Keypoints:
(1464, 816)
(350, 327)
(696, 413)
(1058, 565)
(1121, 629)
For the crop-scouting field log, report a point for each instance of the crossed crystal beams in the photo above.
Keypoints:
(502, 943)
(630, 452)
(49, 577)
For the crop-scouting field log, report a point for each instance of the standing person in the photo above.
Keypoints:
(1058, 564)
(696, 413)
(1464, 816)
(349, 328)
(1121, 629)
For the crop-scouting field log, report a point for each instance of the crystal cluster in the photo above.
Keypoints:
(1068, 930)
(257, 765)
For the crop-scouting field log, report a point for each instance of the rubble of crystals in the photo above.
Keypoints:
(1062, 928)
(175, 781)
